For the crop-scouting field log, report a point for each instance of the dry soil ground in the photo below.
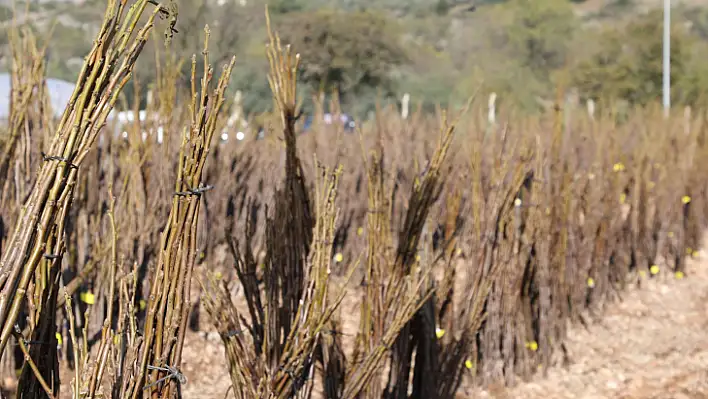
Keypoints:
(653, 344)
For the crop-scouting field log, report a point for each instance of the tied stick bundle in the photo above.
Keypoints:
(160, 350)
(292, 377)
(292, 207)
(29, 125)
(290, 312)
(88, 375)
(38, 234)
(396, 281)
(26, 96)
(389, 300)
(419, 333)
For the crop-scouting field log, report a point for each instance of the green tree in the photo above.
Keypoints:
(514, 48)
(628, 63)
(284, 6)
(698, 18)
(354, 53)
(539, 33)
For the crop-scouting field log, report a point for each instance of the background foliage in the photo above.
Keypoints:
(437, 50)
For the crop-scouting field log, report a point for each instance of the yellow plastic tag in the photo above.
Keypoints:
(439, 332)
(88, 298)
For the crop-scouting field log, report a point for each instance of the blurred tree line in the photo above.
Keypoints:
(439, 51)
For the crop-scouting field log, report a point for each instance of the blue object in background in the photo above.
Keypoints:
(59, 92)
(347, 122)
(308, 123)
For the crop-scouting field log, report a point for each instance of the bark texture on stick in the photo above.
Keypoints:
(39, 231)
(160, 351)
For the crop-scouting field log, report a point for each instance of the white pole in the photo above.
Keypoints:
(667, 56)
(405, 101)
(492, 109)
(591, 108)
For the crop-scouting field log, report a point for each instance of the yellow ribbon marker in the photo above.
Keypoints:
(360, 231)
(439, 332)
(679, 275)
(87, 298)
(417, 258)
(695, 254)
(623, 198)
(591, 282)
(459, 251)
(116, 340)
(654, 269)
(469, 364)
(338, 257)
(142, 304)
(685, 199)
(533, 346)
(59, 339)
(218, 275)
(689, 251)
(618, 167)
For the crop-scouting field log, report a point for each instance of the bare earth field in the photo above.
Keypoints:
(654, 344)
